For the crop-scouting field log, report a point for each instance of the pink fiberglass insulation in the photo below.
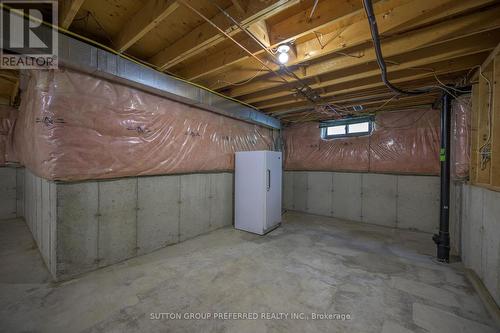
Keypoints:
(401, 142)
(7, 119)
(461, 126)
(74, 126)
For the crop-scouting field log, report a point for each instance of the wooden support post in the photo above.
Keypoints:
(474, 150)
(495, 140)
(483, 170)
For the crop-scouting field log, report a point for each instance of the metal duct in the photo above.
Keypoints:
(87, 58)
(77, 55)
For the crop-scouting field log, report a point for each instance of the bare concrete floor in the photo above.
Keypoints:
(383, 278)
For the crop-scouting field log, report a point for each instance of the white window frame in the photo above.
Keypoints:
(346, 122)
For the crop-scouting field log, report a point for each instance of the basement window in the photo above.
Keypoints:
(347, 127)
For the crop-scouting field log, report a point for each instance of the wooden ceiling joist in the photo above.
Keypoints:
(333, 54)
(424, 58)
(205, 36)
(153, 12)
(351, 98)
(487, 61)
(67, 11)
(402, 103)
(240, 6)
(446, 32)
(369, 94)
(374, 81)
(422, 80)
(261, 31)
(281, 32)
(348, 36)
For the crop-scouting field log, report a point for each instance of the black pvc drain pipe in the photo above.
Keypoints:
(442, 239)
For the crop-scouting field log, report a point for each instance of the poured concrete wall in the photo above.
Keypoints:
(456, 217)
(82, 226)
(399, 201)
(37, 200)
(481, 235)
(104, 222)
(8, 185)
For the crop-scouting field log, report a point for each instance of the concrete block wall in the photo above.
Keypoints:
(399, 201)
(98, 223)
(8, 185)
(481, 235)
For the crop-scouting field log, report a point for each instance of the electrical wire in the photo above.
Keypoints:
(386, 102)
(304, 90)
(319, 38)
(378, 52)
(101, 27)
(452, 88)
(442, 86)
(313, 9)
(229, 37)
(127, 57)
(410, 125)
(265, 48)
(484, 150)
(240, 83)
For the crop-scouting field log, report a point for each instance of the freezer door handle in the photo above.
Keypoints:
(268, 180)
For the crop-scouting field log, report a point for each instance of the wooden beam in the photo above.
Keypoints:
(390, 101)
(423, 38)
(345, 37)
(298, 107)
(483, 169)
(422, 58)
(153, 12)
(326, 13)
(487, 61)
(363, 95)
(402, 102)
(206, 36)
(401, 79)
(261, 32)
(474, 150)
(352, 98)
(67, 11)
(408, 103)
(14, 93)
(240, 6)
(290, 28)
(443, 67)
(495, 130)
(8, 74)
(381, 90)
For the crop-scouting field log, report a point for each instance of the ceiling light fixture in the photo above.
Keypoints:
(283, 58)
(283, 53)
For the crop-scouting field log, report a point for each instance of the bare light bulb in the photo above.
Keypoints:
(283, 58)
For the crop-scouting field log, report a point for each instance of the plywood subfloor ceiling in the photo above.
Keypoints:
(425, 43)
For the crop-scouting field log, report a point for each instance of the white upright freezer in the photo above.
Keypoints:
(258, 177)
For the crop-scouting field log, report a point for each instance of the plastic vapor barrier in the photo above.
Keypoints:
(7, 118)
(401, 142)
(461, 122)
(73, 126)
